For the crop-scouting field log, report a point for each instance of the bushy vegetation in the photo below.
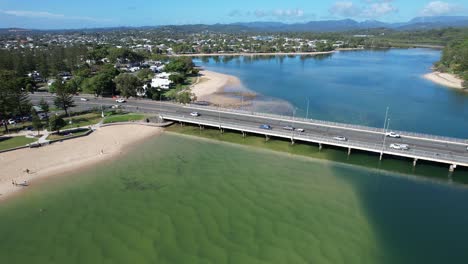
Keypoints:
(455, 60)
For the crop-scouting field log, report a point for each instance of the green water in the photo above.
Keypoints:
(183, 200)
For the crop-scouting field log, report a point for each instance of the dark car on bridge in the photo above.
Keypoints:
(267, 127)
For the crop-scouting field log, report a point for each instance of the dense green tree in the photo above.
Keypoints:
(13, 100)
(177, 78)
(56, 123)
(64, 97)
(124, 55)
(36, 121)
(44, 105)
(127, 84)
(145, 75)
(182, 65)
(185, 97)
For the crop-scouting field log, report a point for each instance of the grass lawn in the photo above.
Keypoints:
(123, 118)
(13, 142)
(67, 134)
(83, 120)
(15, 128)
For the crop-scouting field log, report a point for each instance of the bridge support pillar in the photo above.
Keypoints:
(267, 138)
(452, 168)
(349, 151)
(415, 161)
(292, 141)
(381, 156)
(243, 134)
(320, 146)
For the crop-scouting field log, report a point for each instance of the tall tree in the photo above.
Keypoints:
(127, 84)
(13, 100)
(36, 121)
(64, 97)
(56, 123)
(45, 108)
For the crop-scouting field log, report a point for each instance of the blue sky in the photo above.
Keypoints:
(53, 14)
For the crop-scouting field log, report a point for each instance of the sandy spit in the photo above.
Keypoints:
(59, 158)
(210, 88)
(445, 79)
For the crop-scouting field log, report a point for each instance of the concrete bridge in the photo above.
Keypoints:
(446, 150)
(450, 151)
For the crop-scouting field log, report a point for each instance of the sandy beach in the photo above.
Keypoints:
(445, 79)
(59, 158)
(210, 88)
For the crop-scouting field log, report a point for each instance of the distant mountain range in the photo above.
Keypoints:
(349, 24)
(418, 23)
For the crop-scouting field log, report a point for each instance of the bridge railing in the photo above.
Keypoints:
(328, 123)
(377, 148)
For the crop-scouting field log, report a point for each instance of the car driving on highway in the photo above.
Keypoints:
(84, 99)
(399, 146)
(121, 100)
(267, 127)
(392, 135)
(340, 138)
(300, 130)
(195, 114)
(290, 128)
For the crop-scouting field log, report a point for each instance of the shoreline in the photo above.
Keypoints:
(210, 87)
(61, 158)
(445, 79)
(254, 54)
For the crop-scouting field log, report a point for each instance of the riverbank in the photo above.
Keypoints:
(59, 158)
(211, 87)
(445, 79)
(254, 54)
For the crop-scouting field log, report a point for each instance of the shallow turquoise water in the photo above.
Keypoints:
(183, 200)
(356, 87)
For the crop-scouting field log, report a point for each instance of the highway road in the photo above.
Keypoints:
(442, 146)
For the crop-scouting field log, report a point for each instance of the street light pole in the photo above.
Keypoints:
(385, 122)
(385, 137)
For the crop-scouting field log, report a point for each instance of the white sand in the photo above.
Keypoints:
(210, 88)
(445, 79)
(60, 158)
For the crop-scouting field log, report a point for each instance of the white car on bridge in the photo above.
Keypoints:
(399, 146)
(340, 138)
(121, 100)
(195, 114)
(392, 135)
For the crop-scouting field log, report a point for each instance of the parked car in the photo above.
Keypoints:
(264, 126)
(392, 135)
(399, 146)
(11, 122)
(195, 114)
(84, 99)
(290, 128)
(340, 138)
(121, 100)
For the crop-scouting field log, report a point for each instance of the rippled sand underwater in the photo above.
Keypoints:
(177, 199)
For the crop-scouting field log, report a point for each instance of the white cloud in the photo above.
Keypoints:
(371, 8)
(437, 8)
(277, 13)
(345, 9)
(48, 15)
(379, 9)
